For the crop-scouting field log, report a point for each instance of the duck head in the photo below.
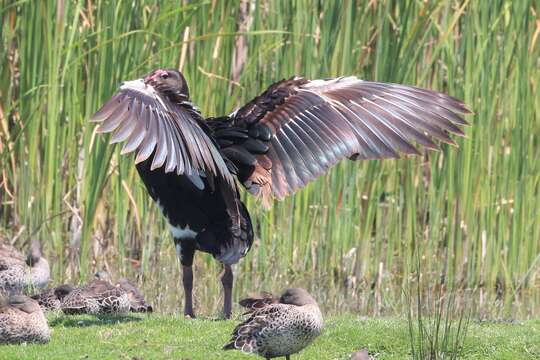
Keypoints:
(296, 296)
(62, 291)
(34, 253)
(103, 276)
(23, 303)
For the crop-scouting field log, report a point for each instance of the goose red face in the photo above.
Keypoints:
(168, 80)
(158, 74)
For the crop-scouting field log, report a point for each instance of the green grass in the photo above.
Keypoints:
(160, 337)
(471, 214)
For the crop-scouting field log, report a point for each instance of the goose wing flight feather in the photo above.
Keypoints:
(297, 129)
(288, 136)
(149, 123)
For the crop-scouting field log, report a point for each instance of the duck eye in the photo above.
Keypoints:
(164, 76)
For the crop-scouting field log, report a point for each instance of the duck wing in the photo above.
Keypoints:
(258, 301)
(245, 334)
(10, 254)
(74, 302)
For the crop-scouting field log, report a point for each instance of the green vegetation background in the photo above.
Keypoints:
(471, 214)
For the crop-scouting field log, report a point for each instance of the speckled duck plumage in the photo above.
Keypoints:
(51, 299)
(18, 273)
(137, 302)
(91, 298)
(97, 297)
(22, 320)
(278, 326)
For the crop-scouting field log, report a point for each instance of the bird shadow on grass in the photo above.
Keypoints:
(96, 320)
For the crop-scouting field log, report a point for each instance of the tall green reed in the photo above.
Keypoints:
(471, 213)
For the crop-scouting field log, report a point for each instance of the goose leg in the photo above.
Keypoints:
(187, 279)
(186, 252)
(227, 281)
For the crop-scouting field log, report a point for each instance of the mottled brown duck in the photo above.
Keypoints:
(18, 273)
(51, 299)
(276, 144)
(97, 297)
(278, 327)
(137, 302)
(22, 320)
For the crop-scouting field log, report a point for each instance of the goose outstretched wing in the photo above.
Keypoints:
(150, 123)
(298, 129)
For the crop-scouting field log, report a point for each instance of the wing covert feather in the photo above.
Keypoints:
(149, 123)
(309, 126)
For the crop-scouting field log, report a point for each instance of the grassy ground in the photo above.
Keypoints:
(157, 337)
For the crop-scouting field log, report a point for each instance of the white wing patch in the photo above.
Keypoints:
(179, 232)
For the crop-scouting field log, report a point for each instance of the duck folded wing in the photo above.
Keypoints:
(11, 263)
(245, 334)
(258, 301)
(297, 129)
(9, 252)
(149, 124)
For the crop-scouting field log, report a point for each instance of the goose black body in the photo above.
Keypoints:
(292, 133)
